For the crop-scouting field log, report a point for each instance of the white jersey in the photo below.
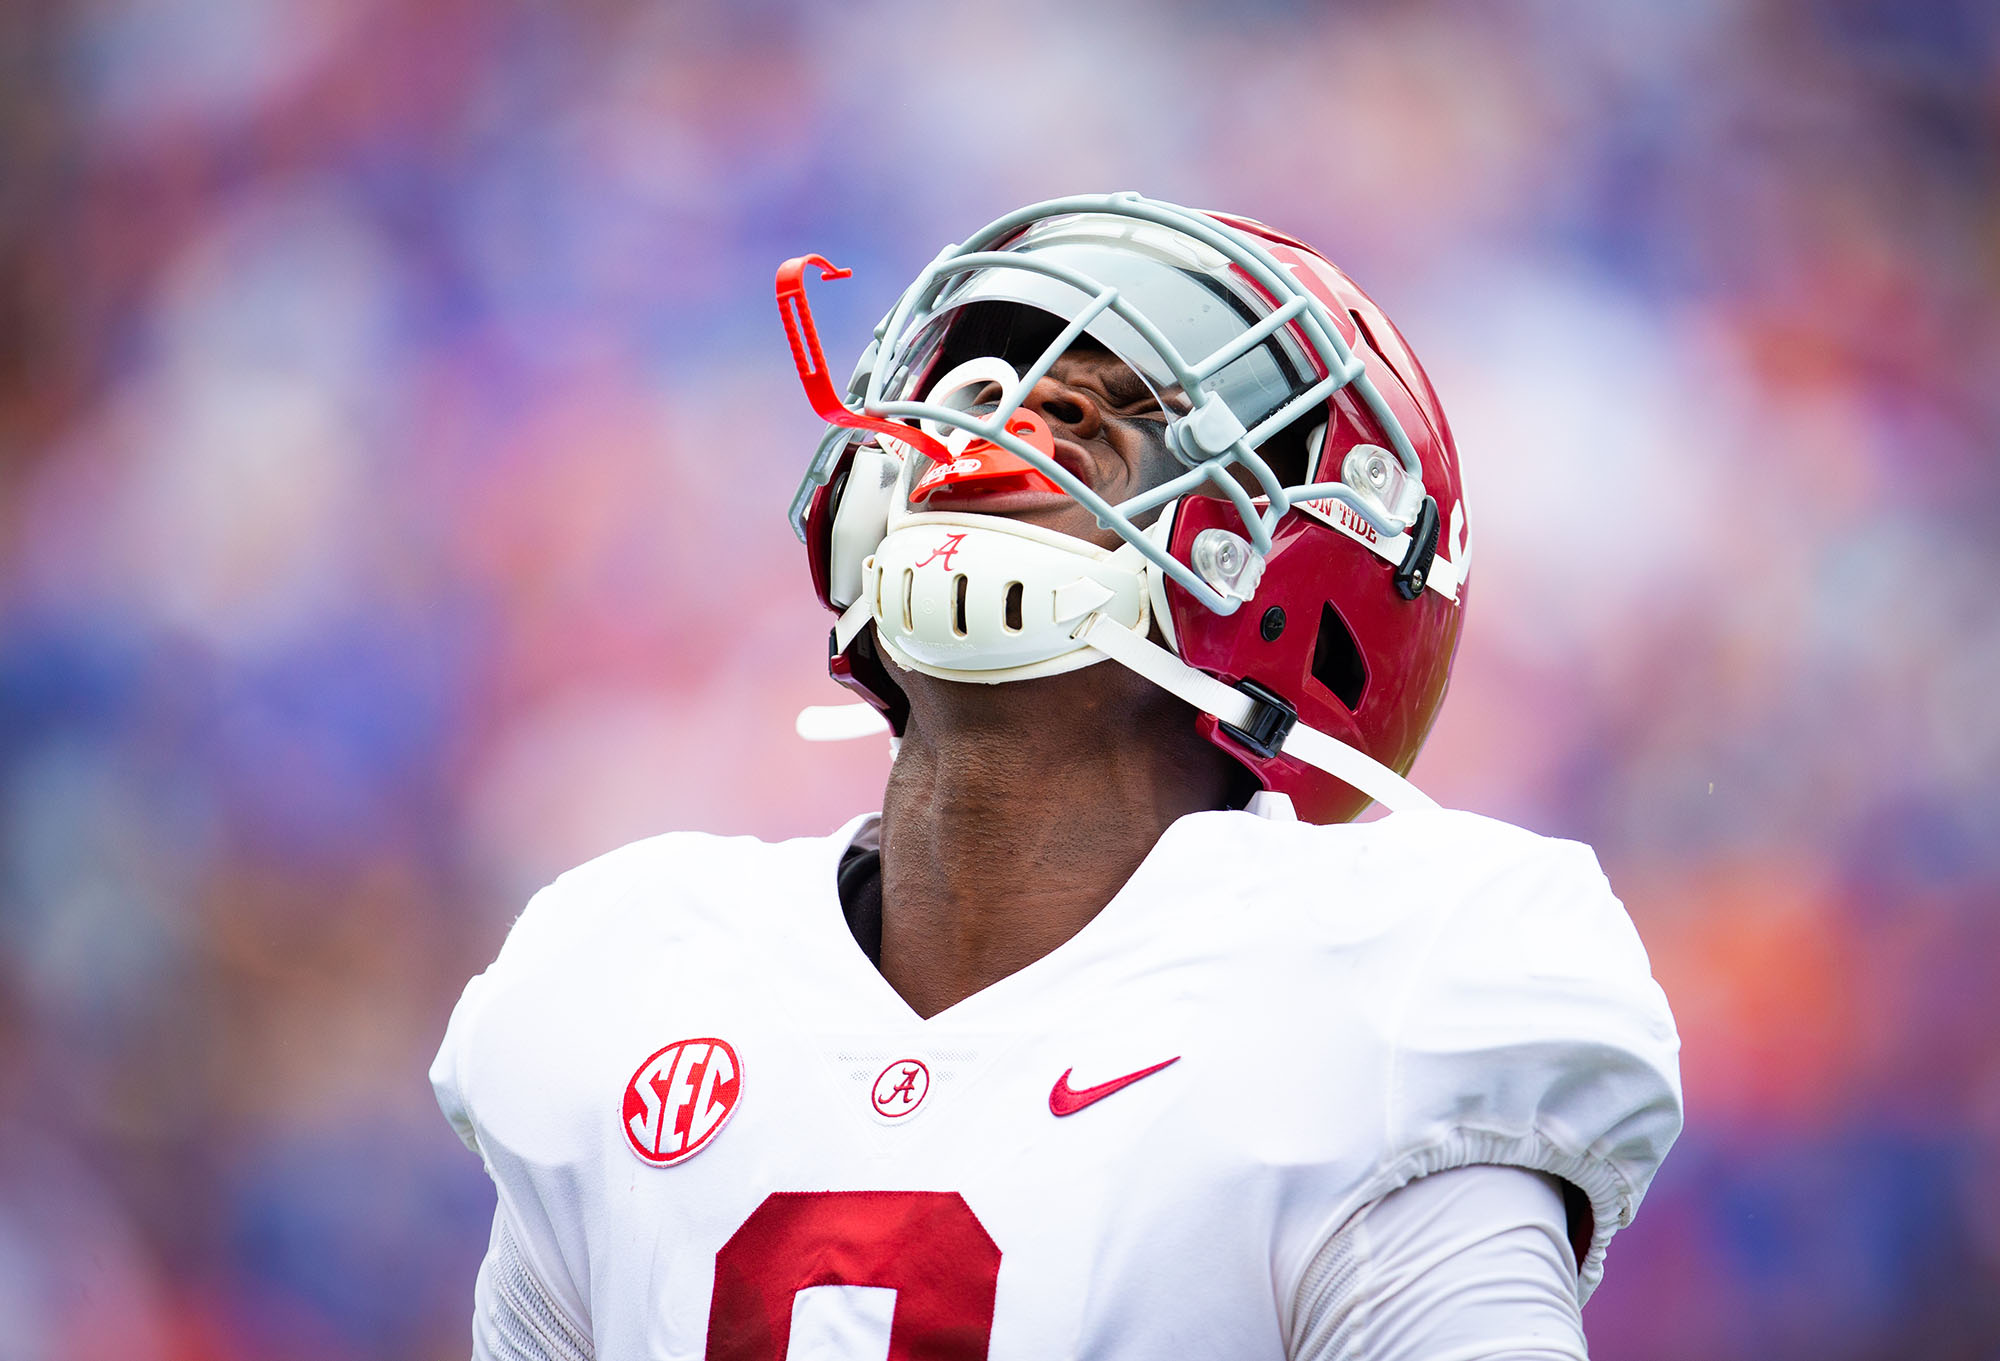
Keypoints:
(717, 1130)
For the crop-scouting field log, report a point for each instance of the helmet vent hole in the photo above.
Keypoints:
(1014, 593)
(909, 595)
(1337, 659)
(958, 604)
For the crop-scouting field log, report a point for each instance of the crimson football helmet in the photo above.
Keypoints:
(1305, 568)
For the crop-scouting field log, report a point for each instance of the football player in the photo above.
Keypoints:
(1111, 1035)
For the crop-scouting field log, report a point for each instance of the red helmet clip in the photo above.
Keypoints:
(811, 360)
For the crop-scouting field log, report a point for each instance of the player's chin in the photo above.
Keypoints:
(1071, 519)
(1016, 504)
(1044, 510)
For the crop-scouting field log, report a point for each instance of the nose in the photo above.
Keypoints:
(1065, 408)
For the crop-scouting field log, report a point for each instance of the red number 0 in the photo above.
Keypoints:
(925, 1245)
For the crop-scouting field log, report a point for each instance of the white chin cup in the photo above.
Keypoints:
(938, 590)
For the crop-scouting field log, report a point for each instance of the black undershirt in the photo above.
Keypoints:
(859, 882)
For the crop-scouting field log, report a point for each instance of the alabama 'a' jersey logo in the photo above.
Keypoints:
(901, 1088)
(680, 1098)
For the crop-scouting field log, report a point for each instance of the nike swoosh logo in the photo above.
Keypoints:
(1064, 1101)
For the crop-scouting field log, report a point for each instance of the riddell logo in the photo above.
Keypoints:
(961, 466)
(942, 554)
(679, 1098)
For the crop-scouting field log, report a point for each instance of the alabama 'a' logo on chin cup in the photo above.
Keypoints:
(944, 552)
(680, 1098)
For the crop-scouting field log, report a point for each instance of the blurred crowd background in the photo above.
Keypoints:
(395, 435)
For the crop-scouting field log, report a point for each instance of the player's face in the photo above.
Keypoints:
(1110, 432)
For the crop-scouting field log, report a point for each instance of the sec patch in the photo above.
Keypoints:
(680, 1098)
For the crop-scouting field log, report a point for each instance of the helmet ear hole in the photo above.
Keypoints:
(1243, 786)
(1337, 660)
(1287, 451)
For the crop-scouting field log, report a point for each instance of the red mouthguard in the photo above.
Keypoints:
(987, 467)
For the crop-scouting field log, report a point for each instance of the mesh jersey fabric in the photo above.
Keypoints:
(515, 1317)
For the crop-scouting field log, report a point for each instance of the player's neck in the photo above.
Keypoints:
(1015, 812)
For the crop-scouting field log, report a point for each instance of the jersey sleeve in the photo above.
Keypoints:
(527, 1272)
(1472, 1263)
(1533, 1035)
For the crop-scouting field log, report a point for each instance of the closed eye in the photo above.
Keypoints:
(1128, 396)
(1146, 407)
(1126, 390)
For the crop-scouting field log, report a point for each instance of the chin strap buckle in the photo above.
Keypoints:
(1235, 708)
(1271, 722)
(1415, 568)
